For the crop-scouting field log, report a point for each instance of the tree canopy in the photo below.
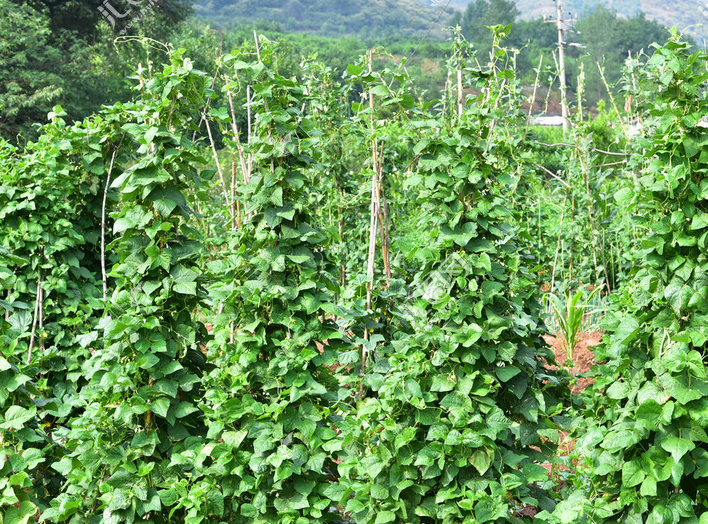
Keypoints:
(61, 51)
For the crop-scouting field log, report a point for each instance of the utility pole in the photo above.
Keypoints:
(561, 61)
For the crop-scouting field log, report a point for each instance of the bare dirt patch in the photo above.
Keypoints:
(583, 357)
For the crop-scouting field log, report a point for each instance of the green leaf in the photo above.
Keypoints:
(21, 514)
(380, 90)
(442, 383)
(379, 492)
(619, 439)
(385, 516)
(677, 446)
(234, 438)
(649, 413)
(627, 330)
(618, 390)
(481, 459)
(632, 473)
(404, 437)
(624, 197)
(506, 373)
(168, 497)
(17, 416)
(164, 206)
(648, 488)
(64, 466)
(87, 339)
(412, 388)
(184, 280)
(677, 294)
(184, 408)
(700, 221)
(304, 487)
(160, 406)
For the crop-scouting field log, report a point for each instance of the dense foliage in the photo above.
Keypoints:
(266, 290)
(646, 440)
(335, 19)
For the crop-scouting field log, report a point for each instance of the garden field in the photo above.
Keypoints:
(249, 297)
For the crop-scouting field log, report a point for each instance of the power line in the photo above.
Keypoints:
(430, 28)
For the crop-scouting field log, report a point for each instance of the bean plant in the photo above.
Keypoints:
(643, 434)
(202, 321)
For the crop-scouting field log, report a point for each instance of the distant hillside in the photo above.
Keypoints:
(363, 18)
(684, 14)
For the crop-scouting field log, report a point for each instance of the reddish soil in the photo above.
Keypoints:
(583, 357)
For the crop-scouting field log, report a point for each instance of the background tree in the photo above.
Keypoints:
(61, 51)
(83, 17)
(29, 84)
(483, 13)
(609, 40)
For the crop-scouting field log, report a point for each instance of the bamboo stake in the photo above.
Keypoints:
(552, 174)
(258, 48)
(374, 196)
(614, 104)
(103, 227)
(208, 101)
(492, 126)
(533, 96)
(248, 111)
(581, 91)
(342, 269)
(445, 95)
(234, 219)
(459, 92)
(383, 219)
(558, 244)
(596, 150)
(7, 311)
(237, 138)
(218, 164)
(372, 238)
(41, 317)
(591, 218)
(372, 225)
(34, 320)
(572, 239)
(384, 225)
(590, 213)
(340, 215)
